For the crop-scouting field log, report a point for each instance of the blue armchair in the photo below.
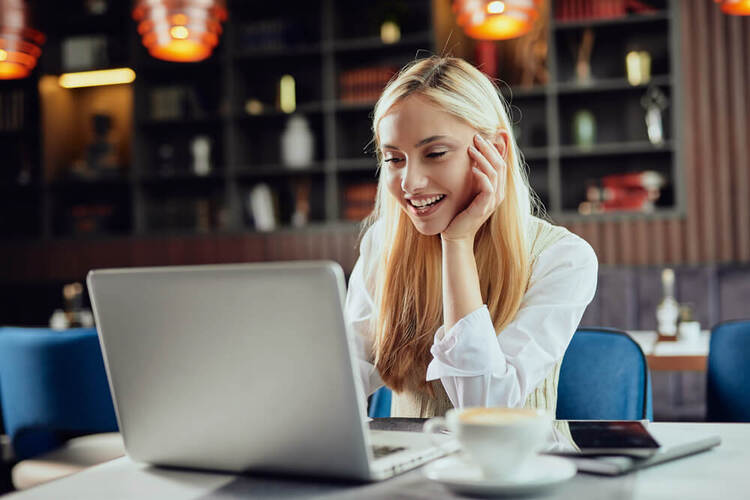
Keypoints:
(604, 375)
(53, 386)
(728, 378)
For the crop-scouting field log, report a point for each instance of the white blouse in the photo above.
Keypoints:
(477, 366)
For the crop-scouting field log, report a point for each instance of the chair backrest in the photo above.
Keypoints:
(604, 376)
(728, 378)
(52, 386)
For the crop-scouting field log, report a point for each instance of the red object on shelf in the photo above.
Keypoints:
(20, 44)
(364, 84)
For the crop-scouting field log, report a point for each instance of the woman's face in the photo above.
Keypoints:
(426, 162)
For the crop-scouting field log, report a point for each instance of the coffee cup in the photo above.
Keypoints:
(500, 441)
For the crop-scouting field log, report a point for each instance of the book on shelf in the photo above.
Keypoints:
(364, 84)
(578, 10)
(359, 200)
(12, 110)
(627, 192)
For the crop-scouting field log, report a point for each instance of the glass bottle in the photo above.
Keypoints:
(668, 309)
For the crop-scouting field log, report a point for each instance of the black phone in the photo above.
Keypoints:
(612, 437)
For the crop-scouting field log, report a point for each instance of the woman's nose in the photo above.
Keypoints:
(413, 179)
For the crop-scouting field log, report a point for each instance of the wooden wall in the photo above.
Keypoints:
(714, 52)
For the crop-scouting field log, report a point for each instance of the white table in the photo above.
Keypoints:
(679, 355)
(719, 473)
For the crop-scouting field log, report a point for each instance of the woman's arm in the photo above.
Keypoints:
(461, 292)
(481, 368)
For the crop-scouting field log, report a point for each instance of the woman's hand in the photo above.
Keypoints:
(490, 174)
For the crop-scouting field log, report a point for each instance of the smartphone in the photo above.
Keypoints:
(612, 437)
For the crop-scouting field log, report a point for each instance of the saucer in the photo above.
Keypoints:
(463, 477)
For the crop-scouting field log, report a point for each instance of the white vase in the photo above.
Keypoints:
(297, 143)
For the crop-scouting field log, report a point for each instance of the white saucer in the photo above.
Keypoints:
(463, 477)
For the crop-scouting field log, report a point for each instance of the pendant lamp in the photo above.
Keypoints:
(20, 44)
(180, 30)
(496, 19)
(735, 7)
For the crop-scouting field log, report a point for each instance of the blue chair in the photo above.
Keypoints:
(604, 375)
(728, 379)
(53, 386)
(380, 403)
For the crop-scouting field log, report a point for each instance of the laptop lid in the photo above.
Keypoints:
(233, 367)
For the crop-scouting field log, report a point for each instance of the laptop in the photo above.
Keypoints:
(242, 368)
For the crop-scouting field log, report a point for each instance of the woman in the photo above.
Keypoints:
(460, 297)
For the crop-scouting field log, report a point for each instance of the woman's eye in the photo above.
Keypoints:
(393, 160)
(436, 154)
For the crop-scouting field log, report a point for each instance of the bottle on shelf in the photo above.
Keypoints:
(668, 310)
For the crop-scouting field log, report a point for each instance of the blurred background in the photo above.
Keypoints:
(633, 117)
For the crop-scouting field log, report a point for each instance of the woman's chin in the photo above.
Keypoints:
(429, 228)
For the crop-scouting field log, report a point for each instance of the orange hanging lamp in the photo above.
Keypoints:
(496, 19)
(180, 30)
(735, 7)
(20, 45)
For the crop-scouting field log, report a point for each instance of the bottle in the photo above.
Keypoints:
(297, 143)
(668, 309)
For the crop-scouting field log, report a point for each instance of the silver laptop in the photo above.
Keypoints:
(241, 368)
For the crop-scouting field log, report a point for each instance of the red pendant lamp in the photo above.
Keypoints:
(735, 7)
(496, 19)
(20, 45)
(180, 30)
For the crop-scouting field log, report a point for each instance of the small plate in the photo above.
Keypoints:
(463, 477)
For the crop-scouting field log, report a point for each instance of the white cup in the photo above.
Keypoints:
(499, 440)
(689, 331)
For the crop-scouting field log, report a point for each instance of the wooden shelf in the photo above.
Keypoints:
(573, 216)
(180, 176)
(619, 148)
(609, 85)
(312, 49)
(630, 19)
(374, 42)
(278, 170)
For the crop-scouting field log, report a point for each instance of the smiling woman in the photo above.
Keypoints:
(461, 295)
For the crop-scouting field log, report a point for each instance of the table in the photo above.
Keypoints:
(718, 473)
(680, 355)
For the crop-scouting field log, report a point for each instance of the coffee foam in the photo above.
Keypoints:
(496, 416)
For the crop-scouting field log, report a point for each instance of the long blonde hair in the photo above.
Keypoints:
(406, 270)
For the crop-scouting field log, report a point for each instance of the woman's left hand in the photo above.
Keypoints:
(490, 174)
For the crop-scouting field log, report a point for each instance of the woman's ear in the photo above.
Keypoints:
(502, 141)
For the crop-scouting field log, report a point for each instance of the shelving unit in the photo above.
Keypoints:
(317, 42)
(560, 170)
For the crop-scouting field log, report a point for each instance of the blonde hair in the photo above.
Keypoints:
(406, 271)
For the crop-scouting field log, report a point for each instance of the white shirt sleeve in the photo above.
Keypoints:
(481, 368)
(359, 309)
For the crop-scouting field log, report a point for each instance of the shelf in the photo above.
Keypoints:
(186, 176)
(285, 52)
(83, 183)
(535, 154)
(516, 92)
(356, 165)
(608, 85)
(353, 106)
(174, 122)
(572, 216)
(278, 170)
(629, 19)
(374, 42)
(307, 108)
(613, 149)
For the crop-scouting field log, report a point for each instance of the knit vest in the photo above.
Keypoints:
(411, 403)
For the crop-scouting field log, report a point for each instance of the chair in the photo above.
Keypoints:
(53, 387)
(380, 403)
(728, 378)
(604, 375)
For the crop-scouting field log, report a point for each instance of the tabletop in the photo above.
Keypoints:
(721, 471)
(679, 355)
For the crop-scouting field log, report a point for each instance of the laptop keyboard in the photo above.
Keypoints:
(381, 451)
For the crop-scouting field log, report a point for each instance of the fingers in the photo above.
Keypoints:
(483, 163)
